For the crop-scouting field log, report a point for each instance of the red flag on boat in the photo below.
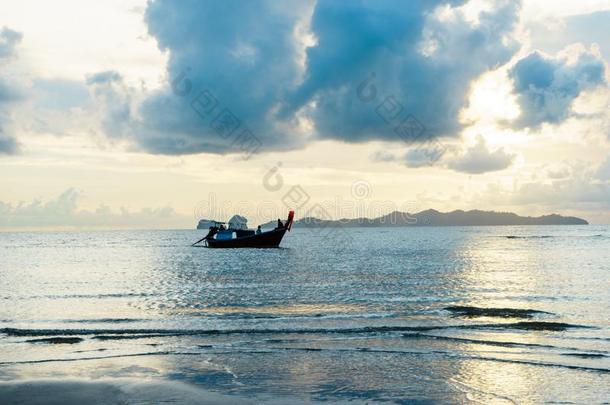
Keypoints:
(289, 220)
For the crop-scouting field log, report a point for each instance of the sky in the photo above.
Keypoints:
(136, 114)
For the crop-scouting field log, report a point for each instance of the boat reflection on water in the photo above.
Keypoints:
(237, 235)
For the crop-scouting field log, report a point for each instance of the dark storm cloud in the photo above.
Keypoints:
(546, 87)
(249, 58)
(427, 65)
(244, 54)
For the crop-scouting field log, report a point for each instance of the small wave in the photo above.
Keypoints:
(104, 320)
(424, 353)
(531, 325)
(250, 315)
(101, 349)
(529, 237)
(160, 353)
(545, 364)
(505, 344)
(77, 321)
(310, 349)
(136, 336)
(476, 341)
(552, 236)
(112, 333)
(79, 296)
(137, 333)
(57, 340)
(591, 338)
(471, 311)
(586, 355)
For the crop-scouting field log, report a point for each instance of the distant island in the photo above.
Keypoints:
(454, 218)
(205, 223)
(432, 218)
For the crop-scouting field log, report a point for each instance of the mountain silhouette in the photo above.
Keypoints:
(432, 217)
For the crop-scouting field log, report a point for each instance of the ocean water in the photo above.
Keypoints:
(419, 315)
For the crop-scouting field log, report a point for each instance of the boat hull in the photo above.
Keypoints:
(270, 239)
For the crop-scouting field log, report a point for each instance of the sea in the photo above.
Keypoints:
(420, 315)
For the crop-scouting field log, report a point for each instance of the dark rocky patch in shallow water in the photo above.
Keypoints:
(57, 340)
(468, 311)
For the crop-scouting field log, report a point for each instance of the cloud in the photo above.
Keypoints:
(603, 171)
(115, 100)
(573, 193)
(60, 94)
(414, 157)
(557, 173)
(291, 72)
(383, 156)
(8, 41)
(63, 211)
(56, 106)
(423, 55)
(585, 189)
(423, 156)
(105, 77)
(37, 105)
(8, 144)
(546, 87)
(479, 159)
(9, 93)
(588, 29)
(238, 57)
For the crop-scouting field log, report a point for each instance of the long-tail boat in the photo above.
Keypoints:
(220, 237)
